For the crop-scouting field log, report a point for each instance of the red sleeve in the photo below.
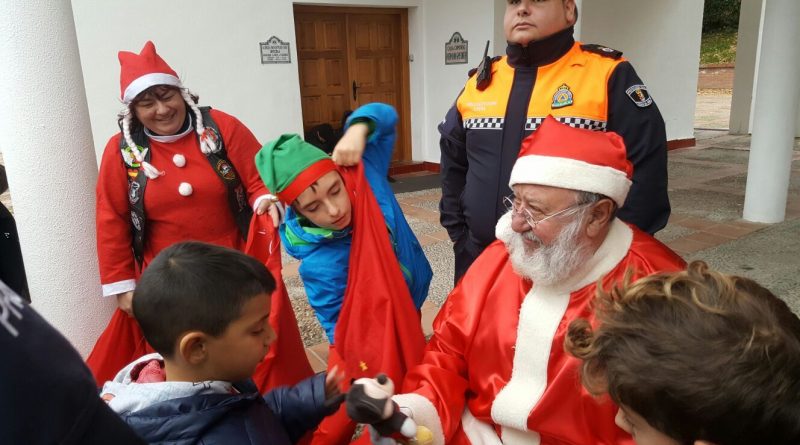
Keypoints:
(242, 147)
(114, 238)
(441, 378)
(436, 391)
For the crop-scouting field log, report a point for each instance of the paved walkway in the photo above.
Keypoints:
(713, 109)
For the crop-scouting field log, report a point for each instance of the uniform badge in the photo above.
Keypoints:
(225, 170)
(639, 96)
(137, 223)
(134, 190)
(562, 98)
(211, 137)
(130, 159)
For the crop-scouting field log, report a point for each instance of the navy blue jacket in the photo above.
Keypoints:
(47, 394)
(281, 417)
(477, 157)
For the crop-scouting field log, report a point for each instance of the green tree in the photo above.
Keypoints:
(719, 15)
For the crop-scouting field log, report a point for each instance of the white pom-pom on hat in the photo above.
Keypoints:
(185, 189)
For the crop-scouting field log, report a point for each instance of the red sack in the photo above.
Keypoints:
(286, 362)
(123, 342)
(120, 343)
(378, 329)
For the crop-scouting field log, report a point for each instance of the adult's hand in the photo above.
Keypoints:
(351, 146)
(125, 302)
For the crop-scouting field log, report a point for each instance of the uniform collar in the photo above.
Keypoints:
(542, 52)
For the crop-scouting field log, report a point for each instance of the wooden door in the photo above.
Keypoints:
(323, 67)
(351, 56)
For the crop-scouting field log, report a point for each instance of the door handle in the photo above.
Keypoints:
(355, 89)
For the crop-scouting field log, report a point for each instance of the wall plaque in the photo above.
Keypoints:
(455, 50)
(275, 50)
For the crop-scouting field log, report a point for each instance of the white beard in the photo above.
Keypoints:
(545, 265)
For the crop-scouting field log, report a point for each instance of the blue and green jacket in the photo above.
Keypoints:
(325, 253)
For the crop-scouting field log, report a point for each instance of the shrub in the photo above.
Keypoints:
(721, 15)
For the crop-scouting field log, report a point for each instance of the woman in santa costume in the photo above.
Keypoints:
(174, 172)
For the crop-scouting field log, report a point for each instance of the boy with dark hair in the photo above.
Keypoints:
(205, 310)
(695, 357)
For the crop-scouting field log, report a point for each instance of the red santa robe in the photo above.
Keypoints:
(495, 370)
(204, 215)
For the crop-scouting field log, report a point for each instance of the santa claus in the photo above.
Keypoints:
(495, 370)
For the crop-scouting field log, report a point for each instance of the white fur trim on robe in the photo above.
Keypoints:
(111, 289)
(423, 412)
(540, 315)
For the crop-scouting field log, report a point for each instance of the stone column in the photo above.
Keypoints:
(744, 78)
(51, 164)
(775, 114)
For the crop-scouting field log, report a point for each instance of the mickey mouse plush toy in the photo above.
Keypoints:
(369, 401)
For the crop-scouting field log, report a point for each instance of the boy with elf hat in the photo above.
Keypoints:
(364, 272)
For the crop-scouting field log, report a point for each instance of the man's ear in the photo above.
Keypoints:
(193, 347)
(571, 11)
(600, 215)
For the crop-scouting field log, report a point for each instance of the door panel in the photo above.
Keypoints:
(322, 67)
(348, 57)
(375, 49)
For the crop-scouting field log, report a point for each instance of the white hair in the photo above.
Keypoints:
(549, 264)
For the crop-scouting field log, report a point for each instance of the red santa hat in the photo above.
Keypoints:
(572, 158)
(141, 71)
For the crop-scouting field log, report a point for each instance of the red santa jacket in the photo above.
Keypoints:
(495, 370)
(203, 216)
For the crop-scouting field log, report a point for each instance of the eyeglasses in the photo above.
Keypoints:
(508, 202)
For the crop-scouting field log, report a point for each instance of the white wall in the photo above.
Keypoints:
(662, 40)
(474, 19)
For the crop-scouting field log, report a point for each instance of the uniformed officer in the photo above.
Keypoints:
(545, 72)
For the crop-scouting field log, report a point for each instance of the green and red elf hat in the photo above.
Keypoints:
(289, 165)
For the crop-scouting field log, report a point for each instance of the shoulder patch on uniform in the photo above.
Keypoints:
(602, 50)
(639, 95)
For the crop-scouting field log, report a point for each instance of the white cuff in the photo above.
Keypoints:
(422, 411)
(109, 290)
